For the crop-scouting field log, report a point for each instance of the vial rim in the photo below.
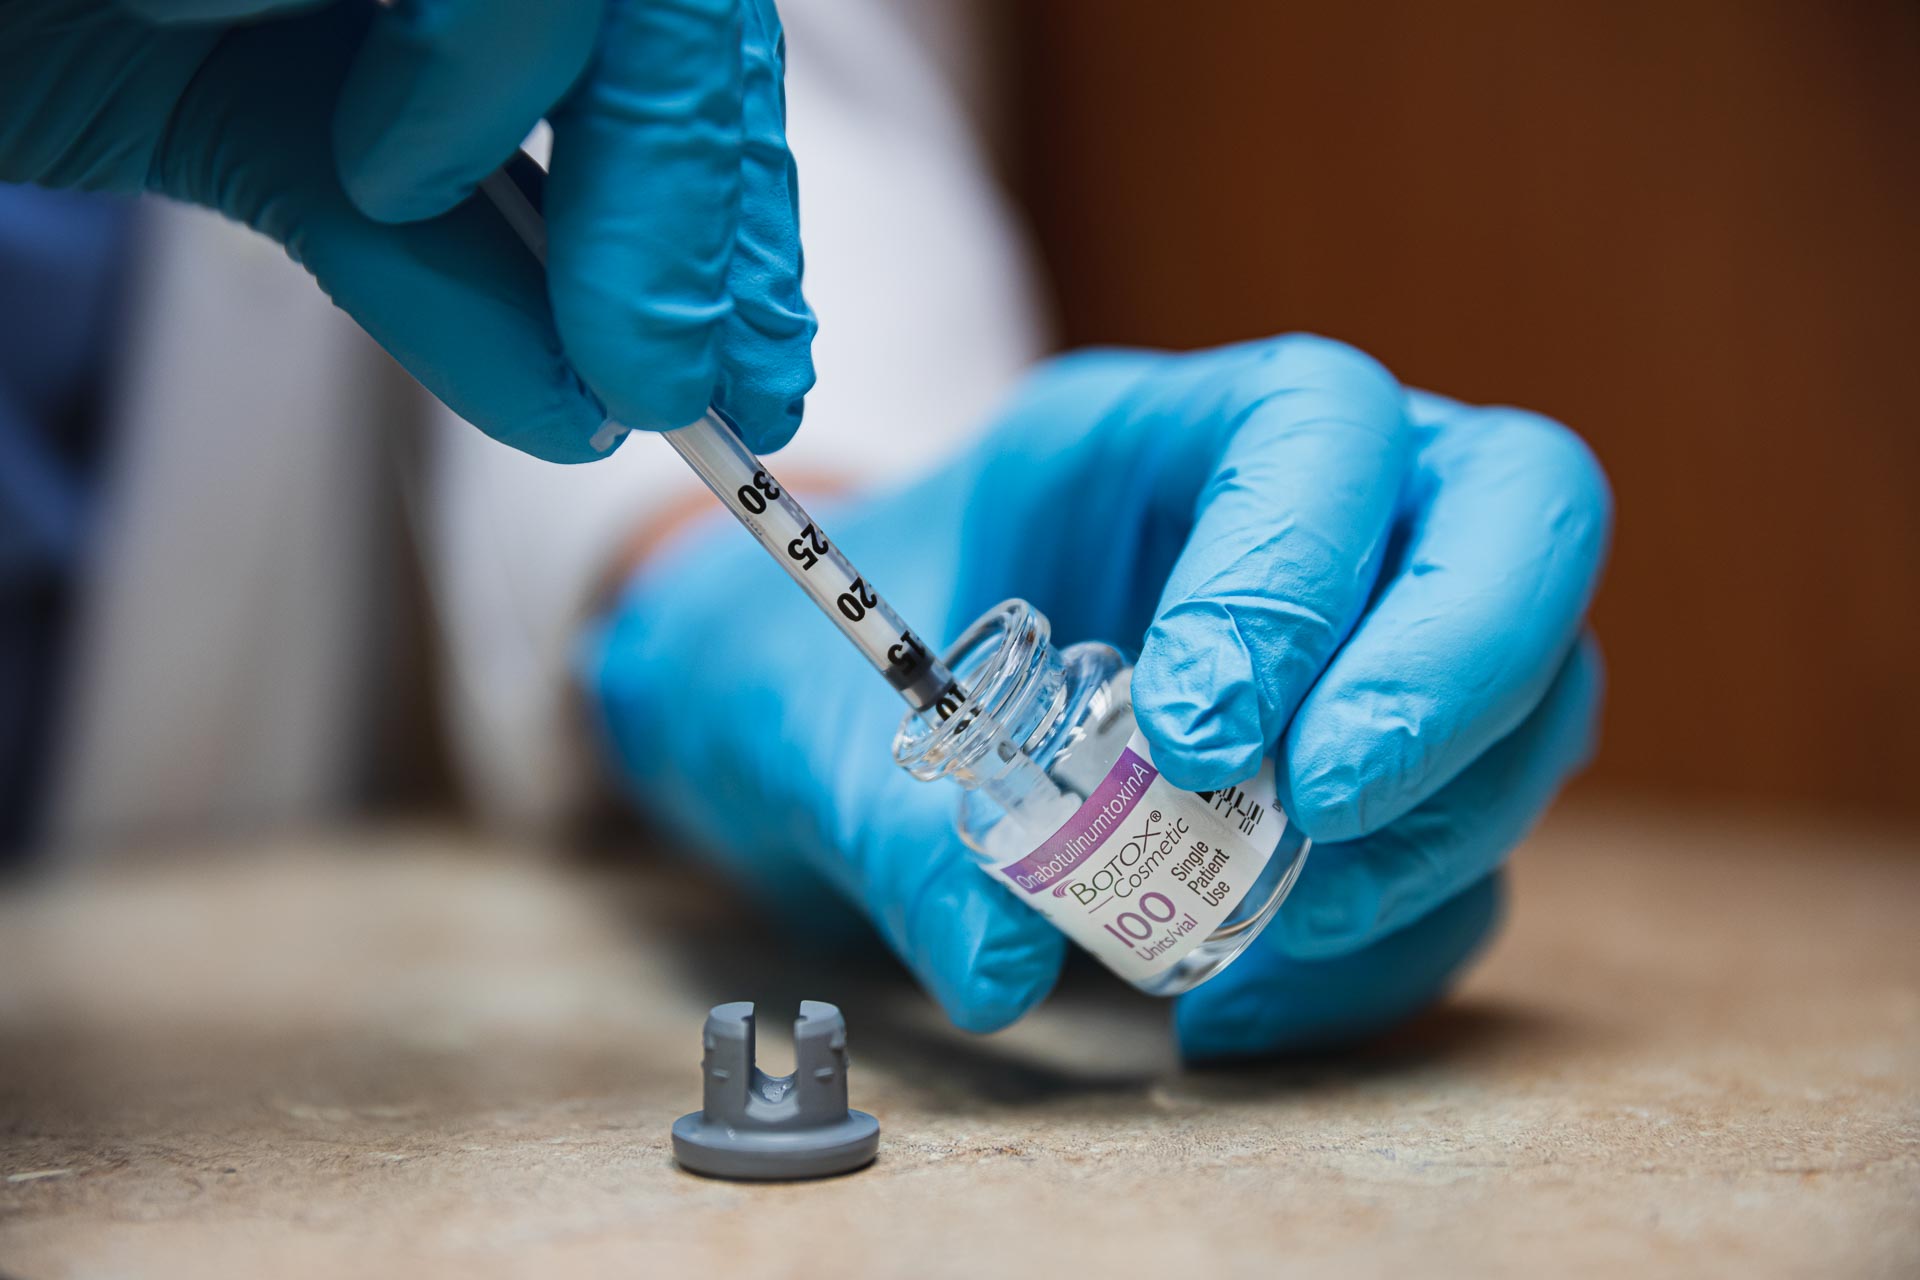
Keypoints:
(997, 679)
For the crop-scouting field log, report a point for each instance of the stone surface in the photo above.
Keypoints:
(1696, 1049)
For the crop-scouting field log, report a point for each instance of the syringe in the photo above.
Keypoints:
(777, 521)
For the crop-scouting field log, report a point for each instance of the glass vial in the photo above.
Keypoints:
(1062, 802)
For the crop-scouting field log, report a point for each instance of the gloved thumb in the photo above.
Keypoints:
(984, 956)
(772, 754)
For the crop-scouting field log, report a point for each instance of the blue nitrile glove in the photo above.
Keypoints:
(1388, 588)
(355, 134)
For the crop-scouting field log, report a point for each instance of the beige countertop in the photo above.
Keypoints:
(1695, 1049)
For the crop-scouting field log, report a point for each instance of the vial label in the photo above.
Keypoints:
(1143, 871)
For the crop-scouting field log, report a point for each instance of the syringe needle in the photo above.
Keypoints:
(777, 521)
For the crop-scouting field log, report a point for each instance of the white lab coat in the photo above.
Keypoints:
(232, 632)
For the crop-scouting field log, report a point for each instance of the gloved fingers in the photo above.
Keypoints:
(643, 201)
(170, 11)
(1353, 893)
(1270, 1002)
(443, 91)
(458, 301)
(1505, 534)
(1285, 544)
(766, 360)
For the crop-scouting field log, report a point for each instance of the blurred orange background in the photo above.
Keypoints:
(1691, 231)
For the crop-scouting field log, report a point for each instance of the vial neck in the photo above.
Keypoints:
(995, 752)
(1015, 682)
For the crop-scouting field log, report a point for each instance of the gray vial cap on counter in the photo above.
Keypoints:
(753, 1125)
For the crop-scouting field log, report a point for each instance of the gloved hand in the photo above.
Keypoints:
(354, 135)
(1387, 589)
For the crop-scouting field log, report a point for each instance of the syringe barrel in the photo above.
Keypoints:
(780, 524)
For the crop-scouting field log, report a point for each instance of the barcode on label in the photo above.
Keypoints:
(1236, 804)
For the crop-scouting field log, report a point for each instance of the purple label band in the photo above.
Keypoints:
(1089, 826)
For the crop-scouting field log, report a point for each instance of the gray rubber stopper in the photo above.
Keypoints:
(753, 1125)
